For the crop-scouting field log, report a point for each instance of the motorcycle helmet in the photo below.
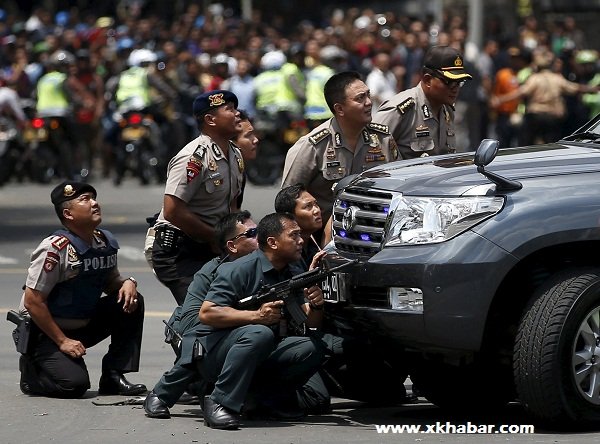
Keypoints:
(61, 58)
(138, 57)
(272, 60)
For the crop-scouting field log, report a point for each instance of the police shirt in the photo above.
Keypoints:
(417, 131)
(204, 179)
(55, 260)
(321, 158)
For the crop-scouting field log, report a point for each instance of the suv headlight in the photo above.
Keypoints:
(427, 220)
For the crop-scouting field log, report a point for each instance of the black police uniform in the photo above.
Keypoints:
(254, 355)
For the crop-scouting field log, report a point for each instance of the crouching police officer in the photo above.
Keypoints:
(69, 271)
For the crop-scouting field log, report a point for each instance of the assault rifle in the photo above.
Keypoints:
(286, 290)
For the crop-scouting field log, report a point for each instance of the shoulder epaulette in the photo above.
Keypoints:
(199, 151)
(404, 106)
(379, 127)
(318, 137)
(60, 243)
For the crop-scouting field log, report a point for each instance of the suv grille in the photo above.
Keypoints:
(358, 219)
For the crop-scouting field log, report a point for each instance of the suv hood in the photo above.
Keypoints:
(456, 174)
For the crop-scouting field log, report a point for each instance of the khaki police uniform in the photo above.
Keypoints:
(417, 131)
(322, 157)
(207, 181)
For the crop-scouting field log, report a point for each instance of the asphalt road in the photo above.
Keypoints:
(26, 216)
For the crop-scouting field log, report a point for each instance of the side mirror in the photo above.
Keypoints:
(486, 152)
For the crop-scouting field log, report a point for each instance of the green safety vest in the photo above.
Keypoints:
(316, 107)
(273, 92)
(133, 83)
(50, 93)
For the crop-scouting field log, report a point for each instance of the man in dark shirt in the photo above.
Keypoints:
(236, 234)
(245, 346)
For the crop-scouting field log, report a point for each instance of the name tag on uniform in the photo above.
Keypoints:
(333, 164)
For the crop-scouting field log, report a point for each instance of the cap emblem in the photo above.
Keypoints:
(458, 62)
(216, 100)
(68, 191)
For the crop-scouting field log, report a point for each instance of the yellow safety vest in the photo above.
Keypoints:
(316, 107)
(50, 94)
(133, 83)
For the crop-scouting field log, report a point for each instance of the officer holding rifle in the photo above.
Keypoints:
(253, 365)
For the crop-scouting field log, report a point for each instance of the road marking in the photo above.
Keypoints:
(8, 260)
(132, 253)
(147, 314)
(123, 270)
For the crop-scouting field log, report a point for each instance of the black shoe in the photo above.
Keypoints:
(113, 382)
(24, 367)
(188, 399)
(218, 417)
(155, 408)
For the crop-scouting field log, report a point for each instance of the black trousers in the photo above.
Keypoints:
(251, 359)
(50, 372)
(176, 264)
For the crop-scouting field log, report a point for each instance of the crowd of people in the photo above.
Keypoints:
(277, 73)
(260, 360)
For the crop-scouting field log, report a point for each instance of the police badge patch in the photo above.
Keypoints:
(193, 168)
(52, 259)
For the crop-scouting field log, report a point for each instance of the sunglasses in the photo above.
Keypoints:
(448, 82)
(249, 233)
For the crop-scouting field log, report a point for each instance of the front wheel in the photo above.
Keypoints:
(557, 350)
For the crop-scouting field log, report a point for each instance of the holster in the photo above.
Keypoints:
(22, 332)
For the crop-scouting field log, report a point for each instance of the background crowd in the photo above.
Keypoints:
(201, 50)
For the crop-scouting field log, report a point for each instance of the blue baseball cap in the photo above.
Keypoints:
(210, 100)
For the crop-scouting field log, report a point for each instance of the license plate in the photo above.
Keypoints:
(133, 133)
(39, 134)
(334, 287)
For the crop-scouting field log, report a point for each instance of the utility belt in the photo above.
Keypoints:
(168, 237)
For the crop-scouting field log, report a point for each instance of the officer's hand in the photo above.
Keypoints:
(270, 313)
(128, 294)
(72, 348)
(314, 295)
(317, 259)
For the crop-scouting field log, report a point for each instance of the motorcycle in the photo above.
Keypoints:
(48, 149)
(135, 151)
(277, 133)
(10, 148)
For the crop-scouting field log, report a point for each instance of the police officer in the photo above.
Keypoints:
(421, 119)
(237, 236)
(69, 271)
(348, 143)
(244, 347)
(204, 180)
(55, 99)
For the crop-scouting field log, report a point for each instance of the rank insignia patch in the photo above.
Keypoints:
(317, 137)
(404, 106)
(240, 163)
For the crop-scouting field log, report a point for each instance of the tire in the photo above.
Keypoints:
(556, 356)
(43, 164)
(267, 167)
(483, 386)
(373, 381)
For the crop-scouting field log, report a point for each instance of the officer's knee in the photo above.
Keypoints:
(73, 388)
(258, 337)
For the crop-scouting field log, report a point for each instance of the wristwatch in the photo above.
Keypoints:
(132, 279)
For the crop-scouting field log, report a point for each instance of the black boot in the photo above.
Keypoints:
(218, 417)
(113, 382)
(155, 408)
